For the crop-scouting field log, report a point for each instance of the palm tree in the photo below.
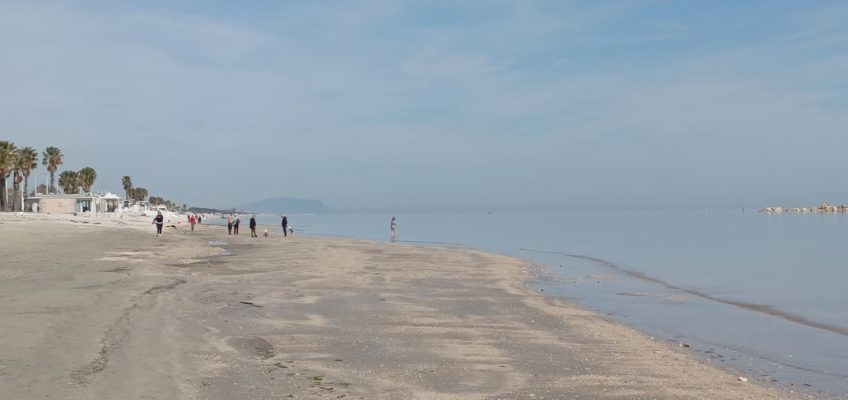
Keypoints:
(7, 163)
(139, 194)
(17, 204)
(52, 160)
(127, 182)
(69, 181)
(29, 161)
(86, 178)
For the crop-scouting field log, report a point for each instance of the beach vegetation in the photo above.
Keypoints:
(17, 178)
(138, 194)
(19, 165)
(7, 164)
(27, 162)
(52, 159)
(69, 181)
(127, 183)
(86, 178)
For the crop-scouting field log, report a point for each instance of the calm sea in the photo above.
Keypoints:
(763, 295)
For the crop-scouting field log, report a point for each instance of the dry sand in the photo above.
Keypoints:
(107, 312)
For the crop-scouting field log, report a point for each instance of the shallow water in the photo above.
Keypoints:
(761, 294)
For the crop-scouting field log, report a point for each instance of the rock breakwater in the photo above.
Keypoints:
(824, 208)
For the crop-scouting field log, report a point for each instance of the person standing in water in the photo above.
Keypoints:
(393, 227)
(229, 224)
(159, 220)
(236, 225)
(285, 226)
(253, 226)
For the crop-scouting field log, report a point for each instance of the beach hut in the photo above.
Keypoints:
(62, 203)
(108, 203)
(31, 204)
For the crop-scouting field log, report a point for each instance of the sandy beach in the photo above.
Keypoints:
(102, 309)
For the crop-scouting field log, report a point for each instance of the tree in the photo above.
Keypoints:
(19, 164)
(86, 178)
(7, 164)
(52, 160)
(139, 194)
(18, 177)
(127, 182)
(28, 159)
(69, 181)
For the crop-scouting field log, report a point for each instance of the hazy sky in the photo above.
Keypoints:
(437, 103)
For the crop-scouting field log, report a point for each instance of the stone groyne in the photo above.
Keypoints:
(824, 208)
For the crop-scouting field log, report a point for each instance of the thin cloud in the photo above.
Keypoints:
(378, 101)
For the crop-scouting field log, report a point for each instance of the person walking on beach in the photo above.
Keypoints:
(191, 221)
(159, 220)
(199, 218)
(393, 227)
(253, 226)
(236, 225)
(285, 226)
(229, 224)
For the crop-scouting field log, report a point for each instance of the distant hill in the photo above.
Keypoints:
(283, 205)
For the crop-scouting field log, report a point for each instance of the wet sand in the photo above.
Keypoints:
(113, 312)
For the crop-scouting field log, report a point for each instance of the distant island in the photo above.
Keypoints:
(283, 205)
(824, 208)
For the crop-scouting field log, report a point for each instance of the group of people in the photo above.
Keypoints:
(194, 220)
(159, 221)
(233, 222)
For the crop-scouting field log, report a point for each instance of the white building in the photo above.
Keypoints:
(72, 203)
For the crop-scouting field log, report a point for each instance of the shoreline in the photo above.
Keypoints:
(405, 321)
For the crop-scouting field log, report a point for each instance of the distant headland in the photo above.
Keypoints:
(277, 205)
(824, 208)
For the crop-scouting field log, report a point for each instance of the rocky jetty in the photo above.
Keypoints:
(824, 208)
